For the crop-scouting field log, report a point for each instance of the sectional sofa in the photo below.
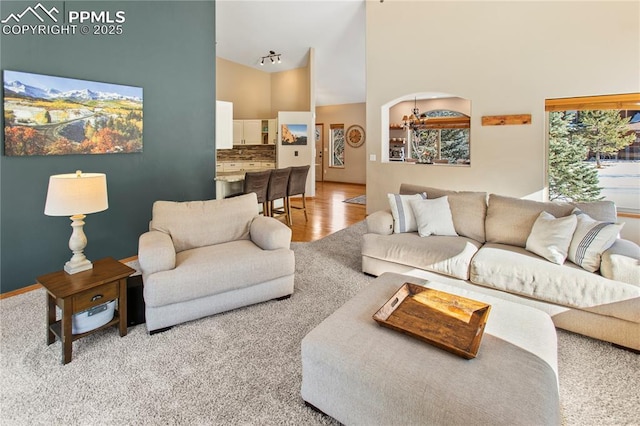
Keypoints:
(496, 245)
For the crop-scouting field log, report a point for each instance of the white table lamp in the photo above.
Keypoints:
(76, 195)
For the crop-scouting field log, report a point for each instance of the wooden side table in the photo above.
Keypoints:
(78, 292)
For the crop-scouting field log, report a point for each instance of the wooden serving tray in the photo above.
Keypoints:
(448, 321)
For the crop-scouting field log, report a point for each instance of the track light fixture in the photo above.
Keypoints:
(272, 56)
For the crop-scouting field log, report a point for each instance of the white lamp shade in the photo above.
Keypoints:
(76, 193)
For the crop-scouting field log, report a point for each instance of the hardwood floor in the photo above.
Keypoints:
(327, 211)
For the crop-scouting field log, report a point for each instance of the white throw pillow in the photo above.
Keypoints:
(433, 217)
(403, 218)
(550, 237)
(590, 240)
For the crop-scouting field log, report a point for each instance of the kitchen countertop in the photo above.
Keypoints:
(235, 176)
(230, 176)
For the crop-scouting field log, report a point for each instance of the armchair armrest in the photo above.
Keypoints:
(380, 222)
(621, 262)
(156, 252)
(269, 233)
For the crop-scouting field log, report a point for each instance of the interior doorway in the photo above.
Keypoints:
(319, 137)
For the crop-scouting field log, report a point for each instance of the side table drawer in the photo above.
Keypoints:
(95, 296)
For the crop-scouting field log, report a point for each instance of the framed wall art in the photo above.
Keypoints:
(47, 115)
(294, 134)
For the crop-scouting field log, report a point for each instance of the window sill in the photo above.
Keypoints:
(629, 214)
(427, 164)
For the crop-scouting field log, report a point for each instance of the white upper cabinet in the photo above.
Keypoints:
(272, 128)
(224, 127)
(247, 132)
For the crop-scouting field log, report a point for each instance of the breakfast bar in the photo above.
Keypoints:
(230, 175)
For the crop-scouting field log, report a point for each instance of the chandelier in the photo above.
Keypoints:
(414, 120)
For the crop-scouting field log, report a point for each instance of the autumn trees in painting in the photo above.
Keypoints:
(97, 119)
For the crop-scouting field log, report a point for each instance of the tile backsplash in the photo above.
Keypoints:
(247, 153)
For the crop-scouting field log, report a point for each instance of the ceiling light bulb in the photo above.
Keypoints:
(272, 61)
(262, 62)
(279, 61)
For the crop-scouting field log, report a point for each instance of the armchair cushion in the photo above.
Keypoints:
(193, 224)
(197, 274)
(269, 233)
(156, 252)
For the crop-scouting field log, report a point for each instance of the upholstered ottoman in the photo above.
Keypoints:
(361, 373)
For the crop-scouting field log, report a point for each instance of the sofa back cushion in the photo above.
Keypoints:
(604, 211)
(510, 220)
(193, 224)
(468, 209)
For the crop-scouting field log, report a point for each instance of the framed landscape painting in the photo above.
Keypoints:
(47, 115)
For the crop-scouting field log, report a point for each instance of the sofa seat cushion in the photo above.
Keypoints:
(446, 255)
(238, 264)
(515, 270)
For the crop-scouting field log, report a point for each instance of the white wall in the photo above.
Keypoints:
(286, 155)
(506, 58)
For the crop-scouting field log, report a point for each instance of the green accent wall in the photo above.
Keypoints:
(168, 49)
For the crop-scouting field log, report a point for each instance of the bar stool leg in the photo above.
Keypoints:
(304, 207)
(287, 202)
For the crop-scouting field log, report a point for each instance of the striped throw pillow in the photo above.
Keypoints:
(590, 239)
(403, 218)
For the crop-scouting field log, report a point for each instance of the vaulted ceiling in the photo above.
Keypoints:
(246, 30)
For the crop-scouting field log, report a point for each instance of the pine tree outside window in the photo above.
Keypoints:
(440, 141)
(336, 146)
(594, 149)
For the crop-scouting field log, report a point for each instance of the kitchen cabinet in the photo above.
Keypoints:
(224, 125)
(272, 130)
(247, 132)
(232, 167)
(243, 166)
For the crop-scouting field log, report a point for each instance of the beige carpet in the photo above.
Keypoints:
(242, 367)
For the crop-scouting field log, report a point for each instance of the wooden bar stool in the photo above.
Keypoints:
(278, 183)
(297, 186)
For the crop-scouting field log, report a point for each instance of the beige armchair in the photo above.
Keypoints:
(200, 258)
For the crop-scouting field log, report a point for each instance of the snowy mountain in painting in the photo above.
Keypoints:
(18, 88)
(29, 91)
